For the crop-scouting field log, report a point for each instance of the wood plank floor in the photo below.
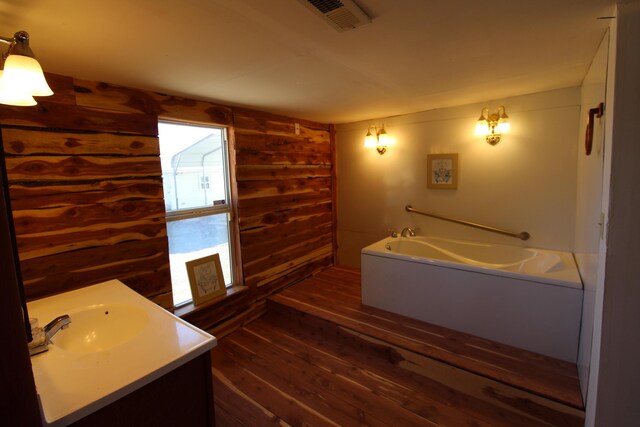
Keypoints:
(321, 358)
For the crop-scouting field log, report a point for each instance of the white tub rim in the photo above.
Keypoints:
(568, 277)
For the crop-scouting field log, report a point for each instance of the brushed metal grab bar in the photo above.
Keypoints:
(522, 235)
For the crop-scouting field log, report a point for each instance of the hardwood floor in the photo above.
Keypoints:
(321, 358)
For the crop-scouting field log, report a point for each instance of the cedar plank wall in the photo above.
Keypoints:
(86, 190)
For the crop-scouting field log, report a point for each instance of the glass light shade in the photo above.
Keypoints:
(17, 99)
(482, 127)
(23, 74)
(384, 140)
(504, 126)
(370, 140)
(9, 97)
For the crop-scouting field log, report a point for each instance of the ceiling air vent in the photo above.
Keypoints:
(342, 15)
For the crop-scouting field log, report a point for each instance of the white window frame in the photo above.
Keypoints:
(216, 209)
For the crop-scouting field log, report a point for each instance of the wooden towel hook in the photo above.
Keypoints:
(593, 112)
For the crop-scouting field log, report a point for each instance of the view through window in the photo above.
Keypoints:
(197, 199)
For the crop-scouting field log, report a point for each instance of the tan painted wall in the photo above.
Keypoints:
(614, 384)
(526, 182)
(589, 201)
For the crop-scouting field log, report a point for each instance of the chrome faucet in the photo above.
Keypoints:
(42, 336)
(406, 230)
(52, 328)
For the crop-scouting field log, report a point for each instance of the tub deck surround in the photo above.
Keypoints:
(319, 356)
(117, 342)
(527, 298)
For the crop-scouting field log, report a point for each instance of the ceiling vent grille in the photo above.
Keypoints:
(342, 15)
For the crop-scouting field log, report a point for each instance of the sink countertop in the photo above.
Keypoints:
(73, 384)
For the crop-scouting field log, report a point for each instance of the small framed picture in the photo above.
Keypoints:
(442, 171)
(205, 278)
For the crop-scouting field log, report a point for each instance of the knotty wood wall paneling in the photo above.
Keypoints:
(118, 98)
(284, 195)
(86, 195)
(86, 188)
(284, 207)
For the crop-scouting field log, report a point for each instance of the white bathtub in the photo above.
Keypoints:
(527, 298)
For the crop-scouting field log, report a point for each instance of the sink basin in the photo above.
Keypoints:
(101, 327)
(117, 342)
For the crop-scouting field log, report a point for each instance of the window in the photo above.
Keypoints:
(195, 174)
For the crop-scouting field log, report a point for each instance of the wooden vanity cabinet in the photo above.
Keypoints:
(182, 397)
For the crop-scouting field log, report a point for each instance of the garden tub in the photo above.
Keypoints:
(524, 297)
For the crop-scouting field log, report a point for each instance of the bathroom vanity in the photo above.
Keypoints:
(122, 361)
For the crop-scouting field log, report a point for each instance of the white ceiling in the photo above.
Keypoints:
(276, 55)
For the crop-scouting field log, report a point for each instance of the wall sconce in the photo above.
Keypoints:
(493, 125)
(379, 139)
(22, 77)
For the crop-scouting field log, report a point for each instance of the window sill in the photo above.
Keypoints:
(190, 308)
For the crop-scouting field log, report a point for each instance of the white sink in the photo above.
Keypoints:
(101, 327)
(117, 342)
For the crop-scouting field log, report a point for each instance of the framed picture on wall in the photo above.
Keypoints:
(205, 278)
(442, 171)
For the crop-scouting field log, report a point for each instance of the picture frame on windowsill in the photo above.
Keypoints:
(205, 278)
